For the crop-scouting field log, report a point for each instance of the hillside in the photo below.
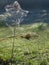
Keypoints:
(32, 51)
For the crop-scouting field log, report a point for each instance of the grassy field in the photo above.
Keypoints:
(34, 51)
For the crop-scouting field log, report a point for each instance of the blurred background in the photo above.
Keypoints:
(27, 3)
(39, 9)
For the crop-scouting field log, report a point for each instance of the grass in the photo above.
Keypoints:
(26, 52)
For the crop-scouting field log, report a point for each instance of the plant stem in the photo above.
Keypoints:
(13, 42)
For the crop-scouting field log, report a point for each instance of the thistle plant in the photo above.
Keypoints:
(15, 16)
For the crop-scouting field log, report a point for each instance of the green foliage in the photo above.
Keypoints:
(43, 63)
(26, 52)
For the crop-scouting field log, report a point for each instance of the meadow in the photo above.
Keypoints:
(32, 51)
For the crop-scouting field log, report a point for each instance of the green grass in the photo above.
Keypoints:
(29, 52)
